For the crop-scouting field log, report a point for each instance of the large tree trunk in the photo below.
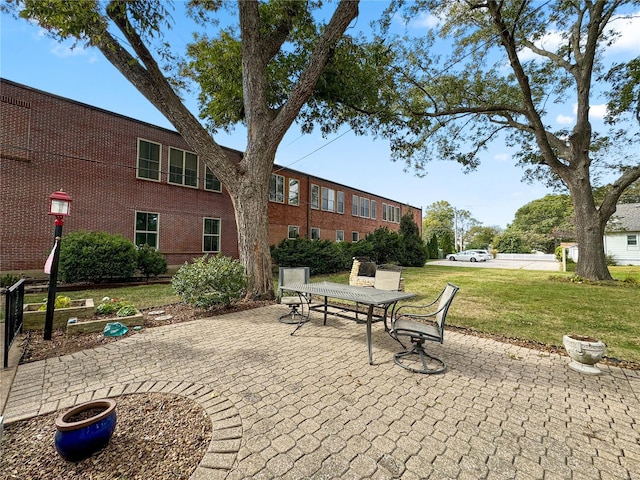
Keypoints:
(249, 192)
(592, 263)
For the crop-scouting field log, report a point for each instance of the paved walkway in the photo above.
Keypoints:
(310, 406)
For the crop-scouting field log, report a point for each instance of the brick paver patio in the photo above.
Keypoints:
(310, 406)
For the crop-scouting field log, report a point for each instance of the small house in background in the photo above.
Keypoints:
(622, 237)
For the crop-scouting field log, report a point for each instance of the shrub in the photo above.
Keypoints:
(8, 280)
(386, 245)
(61, 302)
(321, 256)
(96, 257)
(150, 262)
(413, 248)
(111, 306)
(210, 281)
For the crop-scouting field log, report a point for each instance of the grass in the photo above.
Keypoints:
(523, 304)
(536, 305)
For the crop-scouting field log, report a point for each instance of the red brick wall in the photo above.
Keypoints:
(49, 143)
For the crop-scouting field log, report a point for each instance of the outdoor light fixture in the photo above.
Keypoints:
(59, 203)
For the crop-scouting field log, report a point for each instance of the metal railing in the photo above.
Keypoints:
(14, 300)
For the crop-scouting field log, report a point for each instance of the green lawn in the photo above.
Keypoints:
(535, 305)
(523, 304)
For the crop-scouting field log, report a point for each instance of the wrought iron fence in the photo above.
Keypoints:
(14, 300)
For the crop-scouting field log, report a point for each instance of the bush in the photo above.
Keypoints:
(413, 248)
(96, 257)
(210, 281)
(321, 256)
(150, 262)
(121, 308)
(60, 302)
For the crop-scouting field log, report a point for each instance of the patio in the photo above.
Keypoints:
(310, 406)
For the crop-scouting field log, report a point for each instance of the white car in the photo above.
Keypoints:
(483, 253)
(466, 256)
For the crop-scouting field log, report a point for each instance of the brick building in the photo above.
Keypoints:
(142, 181)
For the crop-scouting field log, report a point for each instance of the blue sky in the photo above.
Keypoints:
(492, 193)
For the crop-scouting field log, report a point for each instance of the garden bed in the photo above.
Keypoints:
(97, 324)
(34, 318)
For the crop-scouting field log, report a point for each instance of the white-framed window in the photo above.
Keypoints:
(294, 232)
(373, 209)
(355, 236)
(148, 160)
(364, 207)
(632, 242)
(340, 203)
(315, 233)
(355, 206)
(384, 211)
(211, 182)
(294, 191)
(390, 213)
(397, 214)
(315, 196)
(183, 167)
(146, 231)
(339, 235)
(328, 199)
(211, 234)
(276, 188)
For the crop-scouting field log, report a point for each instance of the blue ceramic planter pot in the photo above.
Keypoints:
(85, 429)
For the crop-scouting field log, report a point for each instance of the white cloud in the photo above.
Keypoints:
(565, 119)
(502, 157)
(427, 20)
(598, 111)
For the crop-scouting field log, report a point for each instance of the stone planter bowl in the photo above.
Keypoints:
(585, 352)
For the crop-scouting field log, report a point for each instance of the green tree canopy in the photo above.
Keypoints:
(496, 80)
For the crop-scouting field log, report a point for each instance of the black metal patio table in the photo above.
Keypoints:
(365, 295)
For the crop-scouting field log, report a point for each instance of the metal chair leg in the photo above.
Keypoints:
(424, 358)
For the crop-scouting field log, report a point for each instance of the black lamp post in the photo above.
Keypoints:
(59, 203)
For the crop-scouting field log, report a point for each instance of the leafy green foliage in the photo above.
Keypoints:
(321, 256)
(385, 246)
(413, 249)
(117, 307)
(445, 242)
(432, 247)
(8, 279)
(210, 281)
(61, 302)
(511, 242)
(96, 257)
(150, 262)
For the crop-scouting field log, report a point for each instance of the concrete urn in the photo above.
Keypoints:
(585, 352)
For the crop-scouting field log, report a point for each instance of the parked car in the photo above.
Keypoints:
(466, 256)
(483, 253)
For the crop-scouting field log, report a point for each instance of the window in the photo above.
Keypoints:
(397, 214)
(354, 206)
(315, 234)
(146, 229)
(294, 192)
(315, 196)
(373, 209)
(390, 213)
(183, 168)
(339, 235)
(364, 207)
(328, 199)
(340, 206)
(211, 182)
(355, 236)
(632, 240)
(294, 232)
(384, 211)
(148, 160)
(276, 188)
(211, 235)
